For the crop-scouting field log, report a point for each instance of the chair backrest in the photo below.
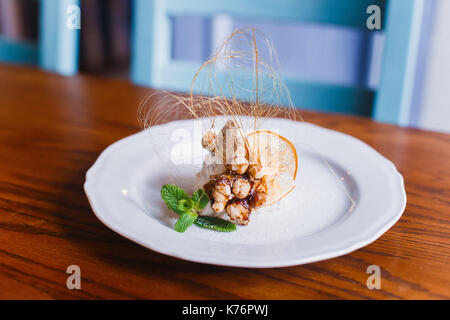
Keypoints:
(57, 47)
(152, 64)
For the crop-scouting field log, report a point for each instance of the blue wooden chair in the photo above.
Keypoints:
(152, 65)
(57, 47)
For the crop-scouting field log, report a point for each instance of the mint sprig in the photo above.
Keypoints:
(188, 208)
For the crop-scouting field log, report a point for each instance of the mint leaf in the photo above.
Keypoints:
(171, 195)
(200, 199)
(185, 221)
(215, 223)
(185, 205)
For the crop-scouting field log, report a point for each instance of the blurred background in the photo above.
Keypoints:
(333, 53)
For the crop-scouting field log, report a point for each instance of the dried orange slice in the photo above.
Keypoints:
(278, 156)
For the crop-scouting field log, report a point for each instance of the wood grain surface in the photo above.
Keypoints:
(52, 129)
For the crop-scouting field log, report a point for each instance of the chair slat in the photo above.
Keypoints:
(18, 52)
(395, 92)
(343, 12)
(58, 45)
(304, 94)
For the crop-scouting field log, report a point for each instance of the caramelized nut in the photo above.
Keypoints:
(238, 211)
(241, 187)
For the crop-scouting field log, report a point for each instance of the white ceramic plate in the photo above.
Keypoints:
(316, 221)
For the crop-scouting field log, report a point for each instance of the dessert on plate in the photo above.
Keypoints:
(246, 167)
(243, 172)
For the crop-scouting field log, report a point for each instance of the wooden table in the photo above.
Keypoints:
(52, 128)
